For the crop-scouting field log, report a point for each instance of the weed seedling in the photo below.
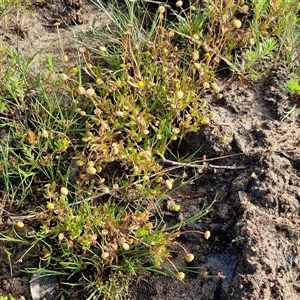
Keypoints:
(293, 87)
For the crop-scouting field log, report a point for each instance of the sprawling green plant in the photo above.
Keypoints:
(81, 150)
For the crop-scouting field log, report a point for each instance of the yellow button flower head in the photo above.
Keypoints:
(140, 84)
(20, 224)
(50, 205)
(176, 208)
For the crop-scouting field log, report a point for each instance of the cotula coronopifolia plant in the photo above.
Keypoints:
(105, 240)
(149, 100)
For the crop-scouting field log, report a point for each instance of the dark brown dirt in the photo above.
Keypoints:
(255, 220)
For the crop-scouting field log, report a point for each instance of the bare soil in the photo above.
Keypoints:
(254, 249)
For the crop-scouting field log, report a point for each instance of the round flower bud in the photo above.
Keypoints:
(169, 184)
(245, 8)
(20, 224)
(219, 96)
(140, 84)
(161, 9)
(45, 134)
(206, 85)
(121, 240)
(179, 3)
(64, 77)
(179, 95)
(102, 49)
(125, 246)
(236, 23)
(90, 163)
(79, 163)
(197, 66)
(90, 92)
(195, 55)
(215, 88)
(104, 255)
(64, 191)
(251, 41)
(180, 275)
(81, 90)
(91, 170)
(176, 208)
(74, 70)
(105, 190)
(189, 257)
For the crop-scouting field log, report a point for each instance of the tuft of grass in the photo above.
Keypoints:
(293, 87)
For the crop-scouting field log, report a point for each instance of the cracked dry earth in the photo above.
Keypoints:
(254, 222)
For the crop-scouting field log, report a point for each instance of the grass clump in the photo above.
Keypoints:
(293, 88)
(81, 148)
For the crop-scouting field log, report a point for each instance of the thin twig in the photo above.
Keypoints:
(203, 166)
(16, 218)
(225, 167)
(219, 157)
